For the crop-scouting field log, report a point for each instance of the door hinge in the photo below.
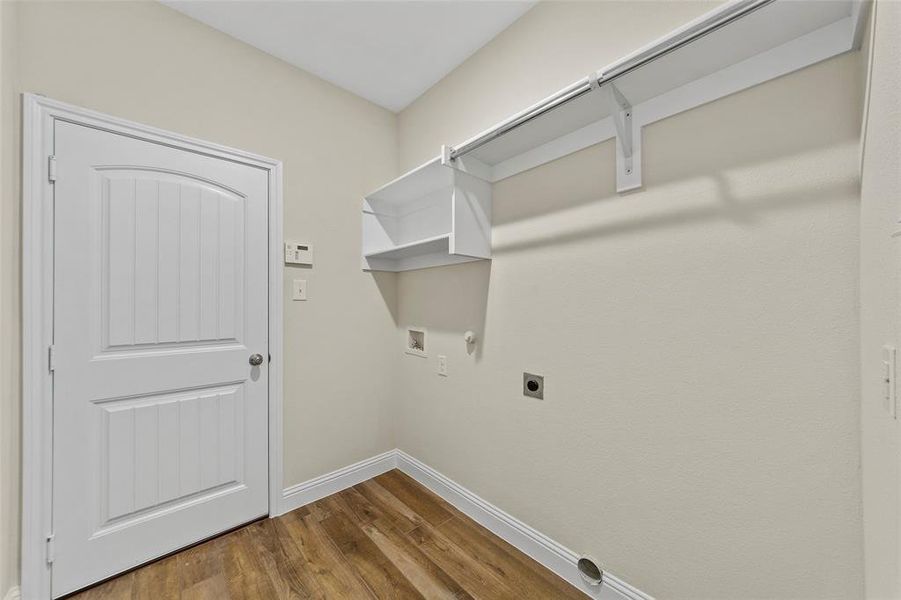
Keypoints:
(50, 549)
(51, 168)
(51, 358)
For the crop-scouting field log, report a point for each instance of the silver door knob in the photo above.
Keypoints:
(256, 359)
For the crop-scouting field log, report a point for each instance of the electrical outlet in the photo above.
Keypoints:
(442, 365)
(299, 289)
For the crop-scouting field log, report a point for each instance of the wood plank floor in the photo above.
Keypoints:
(388, 537)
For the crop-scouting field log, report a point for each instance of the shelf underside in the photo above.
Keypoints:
(764, 29)
(429, 252)
(440, 243)
(773, 26)
(414, 185)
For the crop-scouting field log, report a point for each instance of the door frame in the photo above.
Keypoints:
(39, 115)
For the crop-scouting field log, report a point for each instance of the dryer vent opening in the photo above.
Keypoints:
(590, 571)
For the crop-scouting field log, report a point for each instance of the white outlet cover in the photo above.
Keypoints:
(889, 383)
(299, 289)
(442, 365)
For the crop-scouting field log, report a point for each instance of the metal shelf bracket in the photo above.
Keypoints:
(628, 137)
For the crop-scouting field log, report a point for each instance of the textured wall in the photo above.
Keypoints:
(10, 379)
(879, 298)
(148, 63)
(700, 433)
(699, 338)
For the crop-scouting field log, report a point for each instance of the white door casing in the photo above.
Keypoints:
(161, 287)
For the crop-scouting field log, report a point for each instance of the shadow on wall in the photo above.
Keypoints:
(685, 148)
(387, 285)
(694, 174)
(646, 214)
(451, 299)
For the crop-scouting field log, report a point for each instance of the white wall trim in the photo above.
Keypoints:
(12, 593)
(39, 115)
(325, 485)
(552, 555)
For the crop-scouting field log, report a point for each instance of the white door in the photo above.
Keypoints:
(160, 300)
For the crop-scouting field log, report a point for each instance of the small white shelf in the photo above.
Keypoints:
(432, 216)
(415, 184)
(438, 243)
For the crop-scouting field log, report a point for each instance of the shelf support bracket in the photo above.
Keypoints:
(628, 138)
(622, 119)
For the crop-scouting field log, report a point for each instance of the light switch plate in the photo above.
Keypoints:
(298, 254)
(442, 365)
(889, 395)
(299, 289)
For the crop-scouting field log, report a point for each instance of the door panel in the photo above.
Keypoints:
(162, 450)
(160, 297)
(175, 283)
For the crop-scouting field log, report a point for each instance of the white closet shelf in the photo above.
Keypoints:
(413, 185)
(432, 216)
(438, 243)
(738, 45)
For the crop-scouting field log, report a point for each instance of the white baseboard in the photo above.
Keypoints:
(552, 555)
(539, 547)
(325, 485)
(12, 593)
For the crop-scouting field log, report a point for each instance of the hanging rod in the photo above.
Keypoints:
(677, 40)
(557, 100)
(727, 15)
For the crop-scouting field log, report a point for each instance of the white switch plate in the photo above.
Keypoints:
(442, 365)
(888, 381)
(298, 254)
(299, 289)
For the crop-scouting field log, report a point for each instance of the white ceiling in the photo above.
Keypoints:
(389, 52)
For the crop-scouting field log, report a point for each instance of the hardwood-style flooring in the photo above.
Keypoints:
(388, 537)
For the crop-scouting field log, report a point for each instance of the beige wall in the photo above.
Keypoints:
(553, 46)
(699, 338)
(700, 433)
(145, 62)
(9, 301)
(879, 254)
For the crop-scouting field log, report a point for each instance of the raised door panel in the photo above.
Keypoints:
(160, 452)
(171, 261)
